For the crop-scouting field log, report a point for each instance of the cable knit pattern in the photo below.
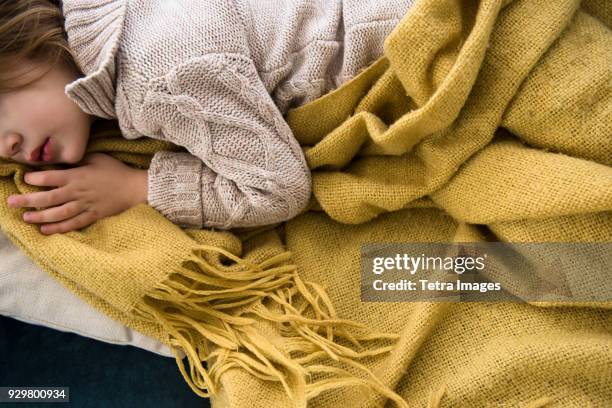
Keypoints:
(216, 77)
(256, 172)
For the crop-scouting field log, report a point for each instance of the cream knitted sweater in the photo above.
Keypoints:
(216, 77)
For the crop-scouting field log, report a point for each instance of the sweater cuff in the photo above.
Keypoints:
(174, 187)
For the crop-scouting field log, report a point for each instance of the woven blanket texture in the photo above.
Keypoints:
(484, 120)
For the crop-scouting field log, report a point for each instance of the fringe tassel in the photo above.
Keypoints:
(435, 397)
(210, 306)
(540, 402)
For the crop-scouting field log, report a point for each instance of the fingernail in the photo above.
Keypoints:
(26, 216)
(11, 201)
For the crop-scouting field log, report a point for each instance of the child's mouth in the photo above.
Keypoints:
(44, 151)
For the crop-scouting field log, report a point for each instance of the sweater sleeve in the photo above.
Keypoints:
(243, 168)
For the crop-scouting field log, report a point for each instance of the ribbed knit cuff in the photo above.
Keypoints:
(174, 187)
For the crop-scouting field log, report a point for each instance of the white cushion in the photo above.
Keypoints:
(29, 294)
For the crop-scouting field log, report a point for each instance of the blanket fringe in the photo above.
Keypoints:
(212, 306)
(435, 397)
(540, 402)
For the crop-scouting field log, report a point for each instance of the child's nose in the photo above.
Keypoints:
(10, 145)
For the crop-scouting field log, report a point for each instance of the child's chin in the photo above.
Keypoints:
(71, 160)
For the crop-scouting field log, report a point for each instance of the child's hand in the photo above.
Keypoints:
(100, 187)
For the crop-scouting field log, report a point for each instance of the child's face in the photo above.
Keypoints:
(29, 115)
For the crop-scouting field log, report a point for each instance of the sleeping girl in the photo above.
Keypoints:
(213, 76)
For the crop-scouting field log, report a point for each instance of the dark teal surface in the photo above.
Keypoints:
(98, 374)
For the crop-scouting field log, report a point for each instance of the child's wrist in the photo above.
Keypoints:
(139, 188)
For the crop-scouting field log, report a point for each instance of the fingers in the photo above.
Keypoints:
(54, 214)
(80, 221)
(40, 199)
(47, 178)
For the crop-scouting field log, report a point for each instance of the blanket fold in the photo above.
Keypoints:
(484, 121)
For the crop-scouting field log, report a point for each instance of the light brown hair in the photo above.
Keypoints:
(31, 30)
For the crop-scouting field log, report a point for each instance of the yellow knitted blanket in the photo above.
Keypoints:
(485, 120)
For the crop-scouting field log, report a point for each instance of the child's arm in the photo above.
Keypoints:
(244, 167)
